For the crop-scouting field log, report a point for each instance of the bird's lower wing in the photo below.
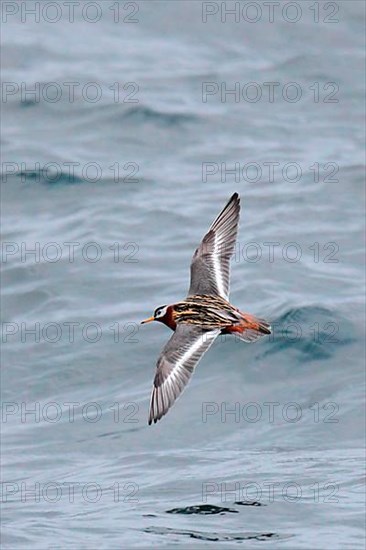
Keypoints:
(176, 365)
(210, 266)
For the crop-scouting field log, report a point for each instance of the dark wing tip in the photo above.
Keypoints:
(234, 198)
(233, 205)
(158, 408)
(229, 214)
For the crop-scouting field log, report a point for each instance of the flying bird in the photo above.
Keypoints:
(203, 315)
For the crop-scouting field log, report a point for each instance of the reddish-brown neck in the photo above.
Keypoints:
(168, 318)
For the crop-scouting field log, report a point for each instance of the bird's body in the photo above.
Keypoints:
(212, 312)
(203, 315)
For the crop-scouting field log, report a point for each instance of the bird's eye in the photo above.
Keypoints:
(160, 312)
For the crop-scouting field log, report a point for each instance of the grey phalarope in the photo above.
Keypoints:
(203, 315)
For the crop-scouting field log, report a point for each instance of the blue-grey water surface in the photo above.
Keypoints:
(265, 448)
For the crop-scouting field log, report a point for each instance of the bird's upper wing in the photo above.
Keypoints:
(176, 364)
(210, 267)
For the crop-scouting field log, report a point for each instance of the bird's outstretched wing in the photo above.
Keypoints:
(176, 365)
(210, 267)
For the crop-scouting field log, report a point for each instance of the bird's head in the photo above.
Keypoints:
(159, 315)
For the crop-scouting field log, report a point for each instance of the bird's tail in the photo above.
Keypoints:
(251, 328)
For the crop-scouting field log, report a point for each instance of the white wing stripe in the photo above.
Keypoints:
(190, 351)
(176, 366)
(217, 269)
(210, 266)
(178, 373)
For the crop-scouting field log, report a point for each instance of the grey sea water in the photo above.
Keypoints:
(144, 118)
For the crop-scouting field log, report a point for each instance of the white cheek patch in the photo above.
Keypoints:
(161, 313)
